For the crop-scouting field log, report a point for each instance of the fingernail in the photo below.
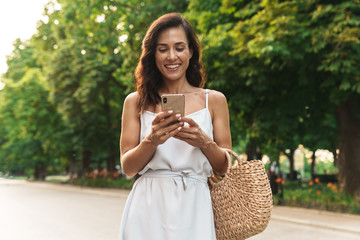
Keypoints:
(181, 123)
(178, 115)
(179, 128)
(170, 111)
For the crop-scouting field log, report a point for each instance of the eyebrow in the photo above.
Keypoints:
(164, 44)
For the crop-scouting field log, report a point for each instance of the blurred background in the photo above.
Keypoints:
(290, 71)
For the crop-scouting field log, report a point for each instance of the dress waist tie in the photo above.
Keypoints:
(183, 175)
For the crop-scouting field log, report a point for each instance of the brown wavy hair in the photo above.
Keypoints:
(148, 77)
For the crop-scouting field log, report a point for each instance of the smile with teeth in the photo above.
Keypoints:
(172, 66)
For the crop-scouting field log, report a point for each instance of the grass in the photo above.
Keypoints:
(18, 177)
(316, 195)
(119, 183)
(112, 180)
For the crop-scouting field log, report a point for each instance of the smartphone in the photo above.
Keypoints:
(175, 102)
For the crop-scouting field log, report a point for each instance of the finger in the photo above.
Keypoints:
(170, 134)
(192, 130)
(190, 121)
(174, 118)
(162, 115)
(169, 128)
(166, 121)
(184, 135)
(189, 141)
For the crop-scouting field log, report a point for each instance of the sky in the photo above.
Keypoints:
(17, 20)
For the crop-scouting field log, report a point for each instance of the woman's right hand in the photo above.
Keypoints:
(164, 126)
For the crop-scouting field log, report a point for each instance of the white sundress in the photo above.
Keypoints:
(171, 200)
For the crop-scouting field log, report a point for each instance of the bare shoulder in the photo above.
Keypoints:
(217, 104)
(217, 98)
(132, 98)
(130, 103)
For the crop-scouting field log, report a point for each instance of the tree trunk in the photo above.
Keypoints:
(334, 152)
(252, 150)
(290, 156)
(85, 162)
(40, 172)
(72, 169)
(111, 163)
(259, 154)
(111, 159)
(349, 138)
(313, 164)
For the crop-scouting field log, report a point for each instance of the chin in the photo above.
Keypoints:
(172, 78)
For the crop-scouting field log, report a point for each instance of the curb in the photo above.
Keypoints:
(72, 188)
(315, 224)
(119, 193)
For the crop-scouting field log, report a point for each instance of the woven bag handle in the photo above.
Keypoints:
(229, 154)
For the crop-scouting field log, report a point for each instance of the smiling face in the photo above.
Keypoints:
(173, 54)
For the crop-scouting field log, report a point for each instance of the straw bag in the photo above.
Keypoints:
(242, 200)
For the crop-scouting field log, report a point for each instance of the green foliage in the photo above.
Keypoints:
(119, 183)
(86, 53)
(29, 125)
(91, 69)
(326, 168)
(318, 196)
(20, 60)
(260, 54)
(285, 67)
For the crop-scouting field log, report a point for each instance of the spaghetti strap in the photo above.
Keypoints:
(207, 98)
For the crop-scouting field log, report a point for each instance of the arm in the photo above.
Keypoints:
(135, 154)
(213, 150)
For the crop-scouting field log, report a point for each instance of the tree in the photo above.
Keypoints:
(83, 56)
(20, 60)
(30, 126)
(89, 51)
(276, 60)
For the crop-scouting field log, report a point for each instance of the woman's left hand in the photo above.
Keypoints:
(192, 134)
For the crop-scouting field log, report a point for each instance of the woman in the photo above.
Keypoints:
(173, 155)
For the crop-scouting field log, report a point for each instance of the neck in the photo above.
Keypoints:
(174, 87)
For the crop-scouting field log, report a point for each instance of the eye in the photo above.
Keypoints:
(162, 50)
(180, 49)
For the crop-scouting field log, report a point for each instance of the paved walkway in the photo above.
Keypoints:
(305, 224)
(93, 214)
(309, 217)
(347, 223)
(322, 219)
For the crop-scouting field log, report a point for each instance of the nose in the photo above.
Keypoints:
(172, 55)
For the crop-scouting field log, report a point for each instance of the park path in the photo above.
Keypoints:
(307, 224)
(44, 211)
